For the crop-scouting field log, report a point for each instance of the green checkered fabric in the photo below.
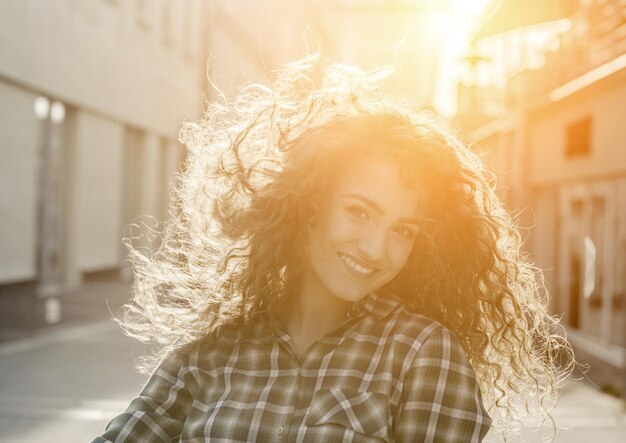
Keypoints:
(384, 374)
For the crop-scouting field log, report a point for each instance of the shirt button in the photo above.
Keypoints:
(280, 430)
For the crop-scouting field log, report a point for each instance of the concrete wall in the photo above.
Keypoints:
(151, 181)
(19, 137)
(118, 58)
(114, 66)
(97, 191)
(544, 240)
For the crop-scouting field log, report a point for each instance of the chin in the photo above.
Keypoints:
(350, 294)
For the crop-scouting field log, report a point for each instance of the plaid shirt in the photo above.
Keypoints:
(385, 374)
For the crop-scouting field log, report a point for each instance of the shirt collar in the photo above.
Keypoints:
(378, 303)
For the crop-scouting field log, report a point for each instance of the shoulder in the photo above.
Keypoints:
(414, 323)
(405, 323)
(423, 335)
(433, 347)
(437, 350)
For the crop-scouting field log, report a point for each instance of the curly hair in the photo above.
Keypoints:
(259, 169)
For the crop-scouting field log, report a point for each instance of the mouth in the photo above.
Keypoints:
(355, 268)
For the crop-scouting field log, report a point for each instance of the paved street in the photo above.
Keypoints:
(65, 386)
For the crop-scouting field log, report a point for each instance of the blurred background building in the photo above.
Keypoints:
(543, 97)
(93, 94)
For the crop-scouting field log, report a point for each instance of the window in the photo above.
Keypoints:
(578, 138)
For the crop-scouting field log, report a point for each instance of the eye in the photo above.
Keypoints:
(405, 232)
(358, 212)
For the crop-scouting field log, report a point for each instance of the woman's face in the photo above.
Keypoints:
(366, 233)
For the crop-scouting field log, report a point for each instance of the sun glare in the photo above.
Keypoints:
(456, 23)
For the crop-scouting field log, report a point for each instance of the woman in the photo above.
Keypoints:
(337, 268)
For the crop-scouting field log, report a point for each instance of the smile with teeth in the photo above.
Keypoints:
(355, 266)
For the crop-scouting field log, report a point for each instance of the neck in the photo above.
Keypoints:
(313, 311)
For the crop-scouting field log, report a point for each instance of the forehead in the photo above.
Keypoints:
(378, 178)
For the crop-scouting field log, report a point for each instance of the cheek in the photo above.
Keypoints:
(399, 256)
(340, 229)
(323, 242)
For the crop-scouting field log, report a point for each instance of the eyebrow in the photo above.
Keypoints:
(376, 207)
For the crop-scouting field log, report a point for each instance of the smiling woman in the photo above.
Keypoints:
(337, 268)
(360, 243)
(364, 228)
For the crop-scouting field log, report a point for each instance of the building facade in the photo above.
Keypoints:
(92, 96)
(559, 152)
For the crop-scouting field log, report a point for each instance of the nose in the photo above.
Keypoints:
(372, 246)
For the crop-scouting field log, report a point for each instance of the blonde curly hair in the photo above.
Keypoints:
(257, 170)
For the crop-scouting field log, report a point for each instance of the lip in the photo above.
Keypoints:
(354, 272)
